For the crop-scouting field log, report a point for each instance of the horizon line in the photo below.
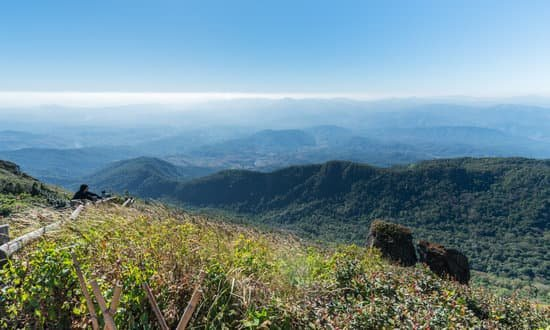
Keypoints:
(110, 98)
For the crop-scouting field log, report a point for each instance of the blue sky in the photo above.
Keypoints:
(349, 47)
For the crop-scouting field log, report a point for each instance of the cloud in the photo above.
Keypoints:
(29, 99)
(99, 99)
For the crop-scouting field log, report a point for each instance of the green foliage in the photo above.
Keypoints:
(253, 280)
(143, 176)
(11, 203)
(42, 292)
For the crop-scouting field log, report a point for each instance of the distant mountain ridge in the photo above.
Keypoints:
(383, 140)
(449, 141)
(263, 141)
(14, 140)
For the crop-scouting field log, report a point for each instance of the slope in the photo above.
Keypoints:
(495, 210)
(17, 189)
(253, 280)
(144, 176)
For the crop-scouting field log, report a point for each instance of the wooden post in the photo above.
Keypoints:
(192, 305)
(109, 321)
(155, 307)
(89, 303)
(4, 234)
(114, 301)
(103, 200)
(76, 212)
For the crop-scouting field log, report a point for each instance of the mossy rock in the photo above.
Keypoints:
(394, 242)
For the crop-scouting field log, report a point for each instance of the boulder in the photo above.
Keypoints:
(394, 241)
(445, 262)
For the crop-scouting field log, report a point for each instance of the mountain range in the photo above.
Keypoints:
(267, 135)
(269, 150)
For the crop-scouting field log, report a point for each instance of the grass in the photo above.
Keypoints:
(253, 280)
(18, 191)
(10, 204)
(25, 213)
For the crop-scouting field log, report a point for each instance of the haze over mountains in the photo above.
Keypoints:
(64, 145)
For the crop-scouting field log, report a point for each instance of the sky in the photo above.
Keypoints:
(285, 47)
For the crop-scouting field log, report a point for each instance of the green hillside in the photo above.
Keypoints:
(497, 211)
(144, 176)
(18, 189)
(253, 280)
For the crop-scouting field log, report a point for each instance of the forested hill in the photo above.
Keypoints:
(145, 176)
(495, 210)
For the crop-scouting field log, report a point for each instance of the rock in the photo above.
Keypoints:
(445, 262)
(10, 167)
(394, 241)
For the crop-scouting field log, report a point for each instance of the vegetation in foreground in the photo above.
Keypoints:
(253, 280)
